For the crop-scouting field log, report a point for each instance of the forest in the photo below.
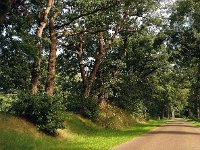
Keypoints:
(112, 62)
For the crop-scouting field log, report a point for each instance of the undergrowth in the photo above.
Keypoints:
(79, 134)
(196, 122)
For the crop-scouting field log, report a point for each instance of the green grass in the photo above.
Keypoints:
(195, 122)
(80, 134)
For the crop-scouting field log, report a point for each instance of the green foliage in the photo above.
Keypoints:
(142, 70)
(6, 102)
(131, 98)
(16, 54)
(88, 107)
(73, 103)
(184, 48)
(80, 134)
(113, 117)
(14, 68)
(194, 121)
(44, 111)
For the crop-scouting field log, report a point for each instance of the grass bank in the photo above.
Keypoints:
(195, 122)
(79, 134)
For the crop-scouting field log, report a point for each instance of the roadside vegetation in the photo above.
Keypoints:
(195, 122)
(79, 134)
(93, 71)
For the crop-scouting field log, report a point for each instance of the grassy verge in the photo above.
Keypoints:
(80, 134)
(194, 122)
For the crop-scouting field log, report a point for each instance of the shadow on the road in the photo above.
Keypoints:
(172, 132)
(174, 122)
(178, 125)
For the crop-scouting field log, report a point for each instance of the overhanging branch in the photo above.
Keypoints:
(86, 14)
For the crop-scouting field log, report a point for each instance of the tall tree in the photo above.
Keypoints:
(184, 45)
(60, 26)
(104, 27)
(42, 22)
(50, 81)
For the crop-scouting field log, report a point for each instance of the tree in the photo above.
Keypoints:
(184, 45)
(99, 27)
(52, 54)
(42, 22)
(54, 35)
(16, 52)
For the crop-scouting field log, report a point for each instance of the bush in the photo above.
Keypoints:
(113, 117)
(73, 103)
(87, 107)
(44, 111)
(6, 102)
(91, 107)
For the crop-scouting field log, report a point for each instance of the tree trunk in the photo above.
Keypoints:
(81, 64)
(98, 59)
(173, 113)
(5, 6)
(163, 113)
(168, 113)
(50, 81)
(36, 69)
(190, 114)
(37, 60)
(102, 51)
(198, 112)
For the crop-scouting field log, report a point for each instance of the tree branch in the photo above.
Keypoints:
(65, 33)
(69, 46)
(86, 14)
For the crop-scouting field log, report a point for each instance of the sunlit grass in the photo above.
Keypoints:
(81, 134)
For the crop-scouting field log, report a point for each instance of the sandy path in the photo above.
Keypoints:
(175, 135)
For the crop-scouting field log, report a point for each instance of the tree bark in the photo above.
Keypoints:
(5, 7)
(36, 69)
(168, 112)
(102, 51)
(50, 81)
(163, 114)
(198, 112)
(37, 60)
(81, 64)
(98, 59)
(173, 113)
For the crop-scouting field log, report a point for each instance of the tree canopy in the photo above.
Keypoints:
(140, 56)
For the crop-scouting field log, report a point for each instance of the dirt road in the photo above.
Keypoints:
(175, 135)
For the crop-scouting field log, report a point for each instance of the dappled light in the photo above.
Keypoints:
(92, 74)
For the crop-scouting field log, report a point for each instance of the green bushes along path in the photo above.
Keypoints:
(79, 134)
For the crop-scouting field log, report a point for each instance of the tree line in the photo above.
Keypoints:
(141, 56)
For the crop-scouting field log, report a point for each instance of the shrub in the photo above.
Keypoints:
(113, 117)
(6, 102)
(91, 107)
(44, 111)
(87, 107)
(73, 103)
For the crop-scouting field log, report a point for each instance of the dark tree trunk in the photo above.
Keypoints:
(5, 6)
(36, 69)
(97, 63)
(163, 114)
(198, 112)
(37, 60)
(102, 51)
(50, 81)
(81, 64)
